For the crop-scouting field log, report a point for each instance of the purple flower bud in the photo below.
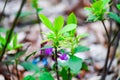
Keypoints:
(48, 51)
(63, 57)
(78, 76)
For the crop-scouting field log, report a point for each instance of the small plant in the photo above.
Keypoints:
(99, 11)
(64, 38)
(13, 43)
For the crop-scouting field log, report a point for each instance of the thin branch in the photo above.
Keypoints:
(106, 63)
(3, 10)
(8, 70)
(115, 49)
(11, 30)
(114, 37)
(106, 31)
(108, 52)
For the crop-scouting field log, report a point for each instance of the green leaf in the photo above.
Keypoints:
(84, 66)
(82, 36)
(47, 22)
(10, 47)
(45, 47)
(35, 4)
(24, 14)
(17, 56)
(93, 1)
(95, 5)
(72, 19)
(39, 9)
(88, 8)
(91, 18)
(2, 40)
(31, 67)
(29, 77)
(105, 2)
(18, 46)
(118, 6)
(81, 49)
(15, 41)
(45, 76)
(68, 27)
(33, 53)
(114, 16)
(3, 29)
(64, 74)
(75, 64)
(58, 23)
(7, 34)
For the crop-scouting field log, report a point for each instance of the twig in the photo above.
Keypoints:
(8, 70)
(115, 37)
(56, 64)
(106, 31)
(115, 49)
(11, 30)
(3, 10)
(108, 52)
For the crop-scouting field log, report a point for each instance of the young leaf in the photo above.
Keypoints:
(15, 41)
(68, 27)
(45, 47)
(118, 6)
(47, 22)
(33, 53)
(45, 76)
(75, 64)
(105, 2)
(29, 77)
(81, 49)
(3, 29)
(82, 36)
(39, 9)
(2, 40)
(30, 66)
(58, 23)
(18, 46)
(114, 16)
(16, 56)
(24, 14)
(72, 19)
(84, 66)
(35, 4)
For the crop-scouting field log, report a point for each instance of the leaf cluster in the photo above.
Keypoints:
(98, 10)
(13, 44)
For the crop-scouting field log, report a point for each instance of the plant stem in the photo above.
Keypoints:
(108, 52)
(3, 10)
(115, 49)
(106, 63)
(69, 74)
(106, 31)
(17, 72)
(8, 70)
(39, 25)
(56, 64)
(12, 29)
